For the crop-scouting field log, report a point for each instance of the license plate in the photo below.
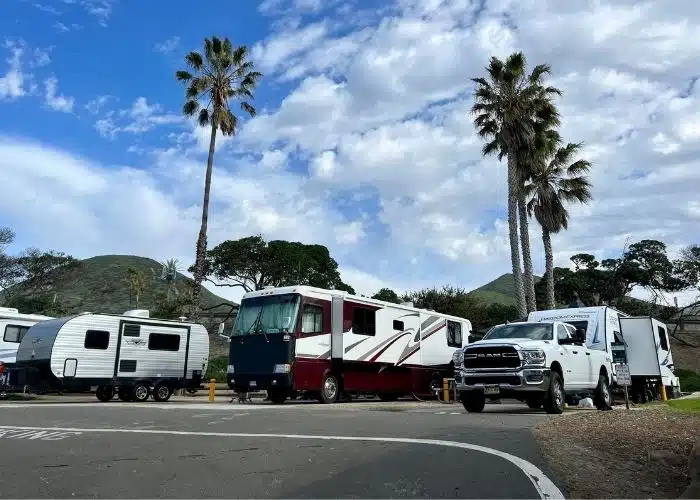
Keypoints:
(253, 383)
(492, 389)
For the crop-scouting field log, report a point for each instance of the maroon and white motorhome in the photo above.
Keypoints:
(327, 342)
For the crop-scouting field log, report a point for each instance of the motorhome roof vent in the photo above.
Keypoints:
(137, 313)
(182, 318)
(409, 304)
(9, 310)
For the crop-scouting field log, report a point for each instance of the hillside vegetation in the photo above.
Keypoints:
(500, 291)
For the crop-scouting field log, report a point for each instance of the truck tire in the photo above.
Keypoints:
(602, 398)
(554, 401)
(330, 388)
(473, 401)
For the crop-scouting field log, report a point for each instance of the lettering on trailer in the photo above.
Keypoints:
(45, 435)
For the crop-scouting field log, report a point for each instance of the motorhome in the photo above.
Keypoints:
(13, 327)
(131, 354)
(296, 339)
(626, 341)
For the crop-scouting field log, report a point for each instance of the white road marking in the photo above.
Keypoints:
(544, 486)
(50, 434)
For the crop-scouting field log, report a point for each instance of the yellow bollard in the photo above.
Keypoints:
(212, 389)
(663, 392)
(446, 389)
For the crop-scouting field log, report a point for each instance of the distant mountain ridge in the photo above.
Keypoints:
(501, 290)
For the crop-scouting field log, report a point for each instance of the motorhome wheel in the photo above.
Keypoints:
(141, 392)
(329, 389)
(162, 392)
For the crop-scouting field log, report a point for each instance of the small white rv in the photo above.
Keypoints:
(132, 353)
(13, 327)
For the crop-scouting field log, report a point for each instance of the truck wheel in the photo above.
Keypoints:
(105, 393)
(554, 402)
(330, 389)
(474, 402)
(162, 392)
(602, 398)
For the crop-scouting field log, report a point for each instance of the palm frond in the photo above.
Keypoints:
(203, 118)
(183, 76)
(190, 107)
(194, 60)
(248, 108)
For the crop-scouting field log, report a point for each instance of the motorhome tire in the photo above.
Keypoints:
(554, 401)
(141, 391)
(105, 393)
(473, 401)
(602, 397)
(330, 388)
(162, 392)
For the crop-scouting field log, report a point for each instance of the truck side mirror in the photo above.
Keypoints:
(580, 335)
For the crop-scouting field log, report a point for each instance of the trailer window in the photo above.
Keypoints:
(163, 342)
(398, 325)
(454, 334)
(363, 321)
(15, 333)
(662, 338)
(96, 339)
(131, 330)
(312, 319)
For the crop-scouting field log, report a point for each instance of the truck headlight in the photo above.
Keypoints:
(282, 368)
(533, 357)
(458, 358)
(230, 369)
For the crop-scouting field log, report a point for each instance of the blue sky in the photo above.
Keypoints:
(363, 140)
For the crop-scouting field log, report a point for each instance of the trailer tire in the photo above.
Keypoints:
(473, 401)
(105, 393)
(554, 401)
(125, 393)
(162, 392)
(602, 397)
(330, 388)
(140, 392)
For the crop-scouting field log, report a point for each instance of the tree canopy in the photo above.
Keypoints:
(253, 263)
(387, 295)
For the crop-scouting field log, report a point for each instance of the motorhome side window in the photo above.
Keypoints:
(15, 333)
(398, 325)
(96, 339)
(454, 334)
(662, 338)
(163, 342)
(312, 319)
(363, 321)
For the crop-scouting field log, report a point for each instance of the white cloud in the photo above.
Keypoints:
(12, 83)
(55, 101)
(141, 117)
(167, 46)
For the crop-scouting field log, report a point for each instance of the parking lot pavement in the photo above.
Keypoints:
(293, 451)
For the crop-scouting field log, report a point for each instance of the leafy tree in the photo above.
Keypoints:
(509, 107)
(687, 268)
(221, 75)
(556, 180)
(137, 283)
(252, 264)
(38, 269)
(10, 271)
(387, 295)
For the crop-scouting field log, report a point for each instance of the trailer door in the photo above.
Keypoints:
(152, 350)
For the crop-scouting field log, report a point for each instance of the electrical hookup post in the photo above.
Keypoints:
(624, 379)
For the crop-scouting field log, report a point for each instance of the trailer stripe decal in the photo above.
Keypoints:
(434, 330)
(353, 345)
(379, 353)
(428, 322)
(379, 346)
(410, 353)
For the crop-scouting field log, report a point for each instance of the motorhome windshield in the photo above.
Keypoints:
(268, 314)
(532, 331)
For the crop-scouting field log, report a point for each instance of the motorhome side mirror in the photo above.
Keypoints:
(221, 332)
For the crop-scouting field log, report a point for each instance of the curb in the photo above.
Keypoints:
(693, 489)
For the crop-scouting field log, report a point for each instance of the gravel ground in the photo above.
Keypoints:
(641, 453)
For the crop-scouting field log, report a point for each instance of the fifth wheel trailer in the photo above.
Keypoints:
(137, 355)
(327, 342)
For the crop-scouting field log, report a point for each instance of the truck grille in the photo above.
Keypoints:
(491, 357)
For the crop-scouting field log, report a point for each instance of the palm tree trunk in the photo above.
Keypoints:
(529, 285)
(513, 234)
(201, 251)
(549, 267)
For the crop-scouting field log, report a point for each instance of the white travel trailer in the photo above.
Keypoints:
(327, 342)
(132, 353)
(13, 327)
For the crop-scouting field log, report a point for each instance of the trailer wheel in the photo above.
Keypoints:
(473, 401)
(330, 388)
(104, 393)
(554, 401)
(602, 398)
(162, 392)
(140, 392)
(125, 393)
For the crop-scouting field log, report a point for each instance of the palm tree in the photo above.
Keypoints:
(556, 180)
(508, 108)
(137, 284)
(221, 75)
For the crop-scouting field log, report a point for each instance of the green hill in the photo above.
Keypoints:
(99, 284)
(501, 290)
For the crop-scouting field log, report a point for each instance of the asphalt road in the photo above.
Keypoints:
(368, 450)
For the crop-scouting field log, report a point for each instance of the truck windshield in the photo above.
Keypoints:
(268, 314)
(532, 331)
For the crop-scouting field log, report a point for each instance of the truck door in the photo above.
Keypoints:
(575, 362)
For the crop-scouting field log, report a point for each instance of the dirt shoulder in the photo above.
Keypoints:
(641, 453)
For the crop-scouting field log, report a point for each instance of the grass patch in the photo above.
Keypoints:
(688, 405)
(217, 369)
(689, 380)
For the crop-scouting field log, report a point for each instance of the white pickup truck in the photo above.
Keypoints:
(541, 364)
